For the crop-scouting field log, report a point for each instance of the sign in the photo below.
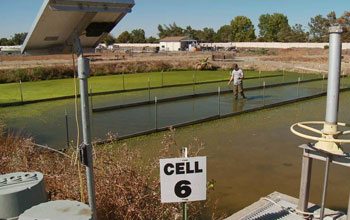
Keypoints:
(183, 179)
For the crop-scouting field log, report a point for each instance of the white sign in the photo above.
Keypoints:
(183, 179)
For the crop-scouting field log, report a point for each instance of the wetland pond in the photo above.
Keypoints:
(249, 156)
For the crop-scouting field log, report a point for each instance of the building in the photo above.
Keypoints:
(177, 43)
(10, 50)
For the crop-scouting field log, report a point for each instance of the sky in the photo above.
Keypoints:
(18, 15)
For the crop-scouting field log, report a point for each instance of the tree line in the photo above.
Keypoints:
(16, 39)
(272, 28)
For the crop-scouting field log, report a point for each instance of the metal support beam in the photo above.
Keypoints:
(325, 184)
(305, 182)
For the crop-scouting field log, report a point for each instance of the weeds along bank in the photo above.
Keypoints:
(126, 186)
(66, 71)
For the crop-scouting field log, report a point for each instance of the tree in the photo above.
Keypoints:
(138, 36)
(319, 28)
(152, 40)
(242, 29)
(124, 37)
(3, 41)
(207, 35)
(224, 34)
(171, 30)
(191, 32)
(297, 34)
(344, 21)
(19, 38)
(332, 18)
(271, 25)
(109, 40)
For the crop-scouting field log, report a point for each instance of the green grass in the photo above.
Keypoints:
(10, 92)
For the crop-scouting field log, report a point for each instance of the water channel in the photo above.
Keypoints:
(249, 156)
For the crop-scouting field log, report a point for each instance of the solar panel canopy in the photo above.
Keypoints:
(59, 21)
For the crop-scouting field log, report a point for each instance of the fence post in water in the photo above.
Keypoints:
(92, 106)
(194, 83)
(283, 74)
(149, 89)
(67, 131)
(264, 84)
(123, 82)
(323, 81)
(342, 82)
(20, 90)
(298, 86)
(219, 93)
(259, 77)
(162, 78)
(184, 204)
(156, 112)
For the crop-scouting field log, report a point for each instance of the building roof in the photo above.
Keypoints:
(176, 39)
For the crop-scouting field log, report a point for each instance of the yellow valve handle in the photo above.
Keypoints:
(310, 137)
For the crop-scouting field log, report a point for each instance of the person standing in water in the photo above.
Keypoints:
(237, 78)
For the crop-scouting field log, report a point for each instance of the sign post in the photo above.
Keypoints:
(183, 180)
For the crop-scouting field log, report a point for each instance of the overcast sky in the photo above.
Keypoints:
(18, 15)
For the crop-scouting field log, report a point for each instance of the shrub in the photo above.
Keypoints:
(21, 74)
(126, 186)
(99, 73)
(326, 47)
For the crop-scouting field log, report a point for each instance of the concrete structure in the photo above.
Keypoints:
(179, 43)
(19, 192)
(58, 210)
(282, 207)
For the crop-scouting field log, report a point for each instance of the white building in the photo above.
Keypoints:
(10, 50)
(177, 43)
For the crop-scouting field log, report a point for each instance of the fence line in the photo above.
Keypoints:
(122, 91)
(109, 108)
(215, 117)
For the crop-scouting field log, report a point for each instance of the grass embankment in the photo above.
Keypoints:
(10, 92)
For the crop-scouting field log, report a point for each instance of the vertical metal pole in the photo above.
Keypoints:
(123, 82)
(264, 92)
(348, 214)
(194, 84)
(333, 74)
(184, 204)
(305, 182)
(20, 89)
(67, 131)
(92, 104)
(156, 112)
(84, 74)
(298, 86)
(149, 90)
(259, 77)
(323, 81)
(162, 79)
(324, 192)
(219, 93)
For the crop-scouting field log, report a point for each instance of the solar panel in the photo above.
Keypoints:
(58, 21)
